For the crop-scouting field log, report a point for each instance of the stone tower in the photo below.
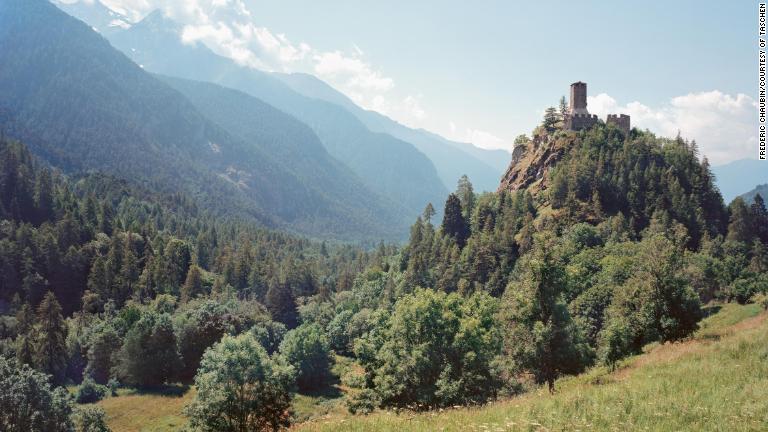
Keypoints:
(578, 117)
(578, 100)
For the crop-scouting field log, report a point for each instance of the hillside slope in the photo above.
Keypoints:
(389, 166)
(672, 387)
(662, 389)
(132, 125)
(592, 175)
(749, 197)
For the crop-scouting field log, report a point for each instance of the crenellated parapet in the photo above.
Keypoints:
(621, 121)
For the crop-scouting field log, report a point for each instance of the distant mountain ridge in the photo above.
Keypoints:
(83, 106)
(452, 159)
(389, 166)
(734, 178)
(749, 197)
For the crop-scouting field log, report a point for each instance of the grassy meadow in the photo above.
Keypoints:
(716, 381)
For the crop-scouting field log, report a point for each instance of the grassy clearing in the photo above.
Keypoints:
(717, 381)
(328, 401)
(134, 411)
(162, 411)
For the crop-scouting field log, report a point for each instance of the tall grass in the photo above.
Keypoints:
(716, 382)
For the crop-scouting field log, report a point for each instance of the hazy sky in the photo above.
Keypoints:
(484, 71)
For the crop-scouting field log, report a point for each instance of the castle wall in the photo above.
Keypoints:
(580, 121)
(620, 121)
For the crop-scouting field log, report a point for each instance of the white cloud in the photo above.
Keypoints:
(724, 126)
(227, 27)
(352, 71)
(478, 138)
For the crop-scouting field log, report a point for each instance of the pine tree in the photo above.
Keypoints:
(550, 119)
(25, 338)
(193, 286)
(760, 218)
(563, 108)
(50, 354)
(281, 304)
(466, 194)
(740, 226)
(44, 196)
(454, 224)
(429, 212)
(130, 271)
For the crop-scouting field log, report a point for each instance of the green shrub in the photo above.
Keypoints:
(27, 403)
(761, 299)
(306, 348)
(90, 392)
(239, 387)
(433, 350)
(90, 419)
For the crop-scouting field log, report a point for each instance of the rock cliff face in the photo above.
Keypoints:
(532, 161)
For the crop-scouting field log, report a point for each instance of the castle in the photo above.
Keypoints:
(579, 118)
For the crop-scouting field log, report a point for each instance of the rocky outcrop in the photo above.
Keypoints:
(532, 161)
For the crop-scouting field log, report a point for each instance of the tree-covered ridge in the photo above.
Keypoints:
(119, 242)
(604, 174)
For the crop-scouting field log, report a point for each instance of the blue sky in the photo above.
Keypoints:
(484, 71)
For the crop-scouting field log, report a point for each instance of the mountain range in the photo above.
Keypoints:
(155, 43)
(136, 126)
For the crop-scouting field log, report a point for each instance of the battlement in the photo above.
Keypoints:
(620, 121)
(580, 121)
(578, 118)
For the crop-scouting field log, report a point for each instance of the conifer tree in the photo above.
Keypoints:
(281, 304)
(454, 224)
(550, 119)
(466, 194)
(740, 226)
(25, 348)
(760, 218)
(563, 108)
(193, 285)
(50, 351)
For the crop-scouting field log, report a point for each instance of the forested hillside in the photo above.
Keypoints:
(128, 123)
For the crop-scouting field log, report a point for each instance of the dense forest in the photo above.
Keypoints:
(107, 285)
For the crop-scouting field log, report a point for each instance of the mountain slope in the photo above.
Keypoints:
(96, 14)
(452, 159)
(738, 176)
(289, 143)
(389, 166)
(81, 105)
(749, 197)
(663, 389)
